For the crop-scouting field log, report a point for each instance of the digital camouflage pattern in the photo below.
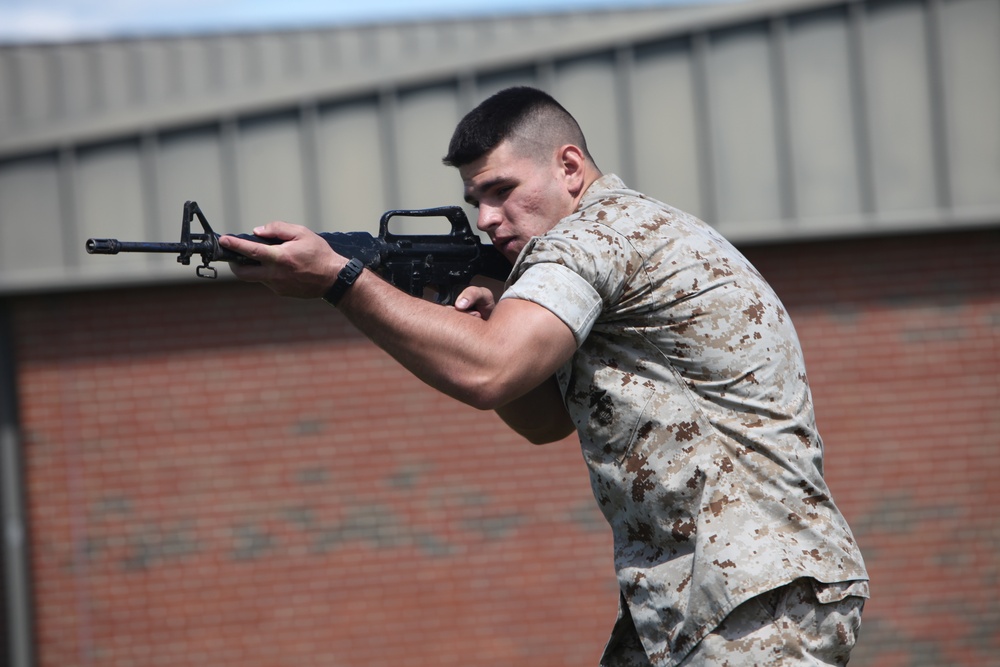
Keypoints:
(690, 397)
(788, 625)
(785, 626)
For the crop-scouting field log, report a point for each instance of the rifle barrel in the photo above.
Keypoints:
(114, 246)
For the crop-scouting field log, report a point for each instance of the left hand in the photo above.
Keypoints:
(476, 301)
(303, 266)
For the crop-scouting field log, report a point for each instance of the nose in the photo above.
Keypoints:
(489, 218)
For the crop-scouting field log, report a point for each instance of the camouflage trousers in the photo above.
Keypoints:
(784, 627)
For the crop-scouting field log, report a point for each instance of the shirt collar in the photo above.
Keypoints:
(599, 188)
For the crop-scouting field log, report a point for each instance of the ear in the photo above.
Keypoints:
(573, 168)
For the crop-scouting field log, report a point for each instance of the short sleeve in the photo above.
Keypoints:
(565, 293)
(577, 270)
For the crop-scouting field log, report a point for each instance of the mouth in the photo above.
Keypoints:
(508, 247)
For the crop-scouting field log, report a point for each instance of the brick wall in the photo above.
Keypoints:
(219, 476)
(902, 343)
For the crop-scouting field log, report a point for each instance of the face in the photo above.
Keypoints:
(518, 196)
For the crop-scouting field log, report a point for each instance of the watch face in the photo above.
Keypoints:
(351, 271)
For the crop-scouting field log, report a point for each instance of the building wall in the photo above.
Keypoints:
(902, 341)
(219, 476)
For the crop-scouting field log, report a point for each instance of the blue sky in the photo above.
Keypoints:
(32, 20)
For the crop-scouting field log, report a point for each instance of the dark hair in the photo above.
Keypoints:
(521, 110)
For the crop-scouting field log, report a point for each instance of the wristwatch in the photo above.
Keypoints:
(344, 280)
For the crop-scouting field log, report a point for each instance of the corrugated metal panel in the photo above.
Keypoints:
(902, 147)
(30, 219)
(822, 126)
(425, 119)
(970, 70)
(668, 126)
(587, 85)
(772, 121)
(51, 86)
(741, 90)
(352, 188)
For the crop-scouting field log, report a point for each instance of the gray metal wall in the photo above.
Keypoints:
(50, 90)
(770, 120)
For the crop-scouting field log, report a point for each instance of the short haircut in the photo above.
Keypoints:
(526, 115)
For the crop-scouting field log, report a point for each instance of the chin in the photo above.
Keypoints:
(511, 252)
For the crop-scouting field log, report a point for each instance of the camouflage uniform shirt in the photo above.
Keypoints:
(689, 394)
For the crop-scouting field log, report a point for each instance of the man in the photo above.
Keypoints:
(642, 329)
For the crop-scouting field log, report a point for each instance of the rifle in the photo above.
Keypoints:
(444, 262)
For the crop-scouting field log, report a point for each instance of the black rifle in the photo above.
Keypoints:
(444, 262)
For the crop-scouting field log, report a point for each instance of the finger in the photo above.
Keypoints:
(475, 301)
(468, 297)
(279, 230)
(273, 230)
(255, 251)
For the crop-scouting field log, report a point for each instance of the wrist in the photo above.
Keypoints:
(345, 279)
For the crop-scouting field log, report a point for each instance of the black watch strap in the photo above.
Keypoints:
(344, 280)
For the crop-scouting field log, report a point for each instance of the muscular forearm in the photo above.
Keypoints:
(484, 363)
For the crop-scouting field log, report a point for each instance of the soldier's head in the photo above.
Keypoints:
(524, 164)
(530, 119)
